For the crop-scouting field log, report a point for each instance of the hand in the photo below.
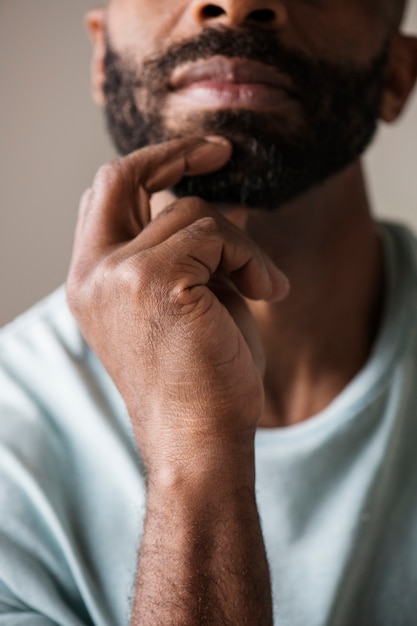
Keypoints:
(161, 304)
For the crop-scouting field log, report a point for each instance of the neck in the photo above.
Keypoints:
(320, 337)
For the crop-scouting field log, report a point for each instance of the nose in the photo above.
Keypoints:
(269, 14)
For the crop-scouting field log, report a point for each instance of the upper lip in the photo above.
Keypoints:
(229, 70)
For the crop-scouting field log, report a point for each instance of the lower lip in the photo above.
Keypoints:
(210, 94)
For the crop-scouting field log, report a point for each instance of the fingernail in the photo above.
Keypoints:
(213, 152)
(279, 281)
(217, 139)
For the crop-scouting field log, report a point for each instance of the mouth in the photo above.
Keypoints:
(221, 82)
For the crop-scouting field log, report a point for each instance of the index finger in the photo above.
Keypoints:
(161, 166)
(118, 205)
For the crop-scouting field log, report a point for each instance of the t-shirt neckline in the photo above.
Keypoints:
(387, 349)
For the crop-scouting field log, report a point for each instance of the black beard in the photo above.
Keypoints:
(273, 160)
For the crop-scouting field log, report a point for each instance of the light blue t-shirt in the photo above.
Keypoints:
(337, 494)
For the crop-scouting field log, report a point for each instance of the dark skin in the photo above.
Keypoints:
(201, 362)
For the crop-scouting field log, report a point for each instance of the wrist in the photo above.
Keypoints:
(204, 471)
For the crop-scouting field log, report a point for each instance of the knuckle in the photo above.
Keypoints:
(198, 205)
(105, 171)
(88, 286)
(108, 172)
(76, 291)
(136, 276)
(207, 226)
(112, 279)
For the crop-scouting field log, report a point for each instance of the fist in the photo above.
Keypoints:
(162, 304)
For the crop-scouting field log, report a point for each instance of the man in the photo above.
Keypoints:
(205, 444)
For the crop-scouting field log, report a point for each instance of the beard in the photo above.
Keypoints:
(277, 155)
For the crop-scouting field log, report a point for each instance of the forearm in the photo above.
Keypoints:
(184, 351)
(202, 559)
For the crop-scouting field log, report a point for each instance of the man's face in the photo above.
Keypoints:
(296, 88)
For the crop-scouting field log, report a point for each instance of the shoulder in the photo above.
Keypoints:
(48, 321)
(33, 463)
(55, 396)
(69, 472)
(52, 386)
(39, 352)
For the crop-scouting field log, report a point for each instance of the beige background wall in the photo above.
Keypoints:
(52, 140)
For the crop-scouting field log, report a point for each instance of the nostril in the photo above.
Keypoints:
(211, 10)
(262, 16)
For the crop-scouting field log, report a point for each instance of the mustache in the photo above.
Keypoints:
(253, 44)
(308, 73)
